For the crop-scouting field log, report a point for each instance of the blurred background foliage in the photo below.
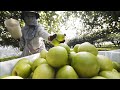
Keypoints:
(98, 26)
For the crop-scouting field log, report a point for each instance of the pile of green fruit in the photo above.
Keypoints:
(63, 62)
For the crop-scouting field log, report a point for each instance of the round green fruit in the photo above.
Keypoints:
(116, 65)
(110, 74)
(66, 72)
(65, 46)
(75, 48)
(85, 64)
(88, 47)
(105, 63)
(22, 69)
(71, 56)
(43, 53)
(37, 62)
(24, 60)
(44, 71)
(60, 37)
(57, 56)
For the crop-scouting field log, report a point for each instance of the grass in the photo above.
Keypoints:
(8, 58)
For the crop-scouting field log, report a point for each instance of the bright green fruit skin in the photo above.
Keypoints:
(110, 74)
(44, 71)
(75, 48)
(43, 53)
(85, 64)
(116, 65)
(105, 63)
(24, 60)
(65, 46)
(71, 56)
(66, 72)
(88, 47)
(37, 62)
(22, 69)
(57, 56)
(55, 42)
(60, 37)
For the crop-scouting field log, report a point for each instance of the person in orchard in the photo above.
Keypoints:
(33, 34)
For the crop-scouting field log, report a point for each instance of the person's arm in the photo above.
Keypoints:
(43, 33)
(22, 42)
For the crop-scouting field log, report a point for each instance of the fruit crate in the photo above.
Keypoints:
(113, 54)
(7, 66)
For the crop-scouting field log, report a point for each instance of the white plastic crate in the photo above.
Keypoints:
(6, 67)
(114, 55)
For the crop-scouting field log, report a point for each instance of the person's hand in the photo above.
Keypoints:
(52, 37)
